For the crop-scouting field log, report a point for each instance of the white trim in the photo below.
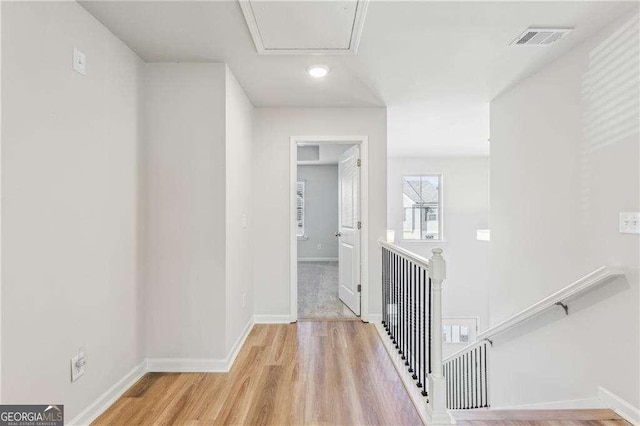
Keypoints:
(623, 408)
(201, 365)
(272, 319)
(596, 277)
(418, 260)
(317, 259)
(354, 42)
(574, 289)
(107, 399)
(363, 141)
(483, 235)
(401, 240)
(571, 404)
(169, 365)
(235, 349)
(186, 365)
(418, 401)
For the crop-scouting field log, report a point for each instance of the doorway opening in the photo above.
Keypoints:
(327, 252)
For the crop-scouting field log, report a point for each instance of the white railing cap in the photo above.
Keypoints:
(415, 258)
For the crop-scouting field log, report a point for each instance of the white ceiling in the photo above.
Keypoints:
(304, 25)
(435, 65)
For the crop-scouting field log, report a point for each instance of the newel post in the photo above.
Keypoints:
(437, 405)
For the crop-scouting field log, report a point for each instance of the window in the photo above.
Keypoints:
(422, 206)
(300, 209)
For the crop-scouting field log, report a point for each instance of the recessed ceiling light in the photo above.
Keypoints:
(318, 71)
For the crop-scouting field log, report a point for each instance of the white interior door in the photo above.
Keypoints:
(348, 228)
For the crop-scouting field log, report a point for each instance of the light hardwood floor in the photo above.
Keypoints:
(317, 372)
(333, 372)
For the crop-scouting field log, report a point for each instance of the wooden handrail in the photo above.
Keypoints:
(574, 289)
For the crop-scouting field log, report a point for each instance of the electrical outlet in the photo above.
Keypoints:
(78, 365)
(79, 61)
(319, 246)
(629, 223)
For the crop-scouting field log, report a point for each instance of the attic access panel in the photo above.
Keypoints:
(305, 27)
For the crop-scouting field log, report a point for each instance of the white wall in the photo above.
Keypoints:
(272, 129)
(185, 123)
(239, 191)
(564, 163)
(321, 212)
(69, 205)
(465, 186)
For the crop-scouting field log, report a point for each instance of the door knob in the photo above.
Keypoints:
(338, 234)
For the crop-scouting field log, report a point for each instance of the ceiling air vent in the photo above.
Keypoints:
(540, 36)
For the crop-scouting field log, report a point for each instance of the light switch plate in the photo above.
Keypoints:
(630, 223)
(79, 61)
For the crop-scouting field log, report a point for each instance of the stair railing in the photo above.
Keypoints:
(412, 318)
(466, 370)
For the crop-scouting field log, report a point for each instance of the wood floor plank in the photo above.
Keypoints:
(308, 373)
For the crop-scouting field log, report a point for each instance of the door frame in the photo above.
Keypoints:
(363, 142)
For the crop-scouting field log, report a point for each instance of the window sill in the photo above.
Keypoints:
(422, 241)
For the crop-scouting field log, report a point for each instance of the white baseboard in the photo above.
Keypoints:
(105, 400)
(186, 365)
(623, 408)
(570, 404)
(235, 350)
(271, 319)
(165, 365)
(419, 401)
(317, 259)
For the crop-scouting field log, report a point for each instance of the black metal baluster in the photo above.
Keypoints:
(387, 292)
(478, 394)
(426, 351)
(415, 321)
(400, 262)
(470, 379)
(486, 379)
(481, 378)
(405, 321)
(397, 302)
(396, 290)
(468, 363)
(458, 387)
(430, 313)
(473, 380)
(470, 394)
(384, 288)
(419, 307)
(409, 322)
(464, 381)
(402, 318)
(393, 297)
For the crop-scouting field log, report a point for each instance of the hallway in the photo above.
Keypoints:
(303, 373)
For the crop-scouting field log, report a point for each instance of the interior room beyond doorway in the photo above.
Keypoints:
(318, 225)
